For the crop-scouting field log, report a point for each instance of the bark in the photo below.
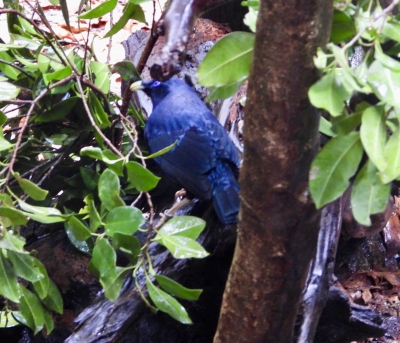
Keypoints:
(278, 223)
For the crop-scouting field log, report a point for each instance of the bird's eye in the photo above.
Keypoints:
(156, 83)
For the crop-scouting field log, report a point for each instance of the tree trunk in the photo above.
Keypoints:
(278, 226)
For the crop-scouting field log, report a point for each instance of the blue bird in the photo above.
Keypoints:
(204, 161)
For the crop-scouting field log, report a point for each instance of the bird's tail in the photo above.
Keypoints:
(225, 193)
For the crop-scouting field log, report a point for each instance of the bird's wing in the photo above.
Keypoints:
(190, 161)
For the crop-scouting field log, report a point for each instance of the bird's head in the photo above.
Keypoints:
(156, 90)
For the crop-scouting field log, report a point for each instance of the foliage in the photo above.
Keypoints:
(70, 157)
(358, 91)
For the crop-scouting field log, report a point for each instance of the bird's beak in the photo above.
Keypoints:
(138, 85)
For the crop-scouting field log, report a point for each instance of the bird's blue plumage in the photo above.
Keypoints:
(204, 160)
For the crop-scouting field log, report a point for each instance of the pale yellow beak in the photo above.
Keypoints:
(136, 86)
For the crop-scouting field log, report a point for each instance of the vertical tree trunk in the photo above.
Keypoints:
(278, 225)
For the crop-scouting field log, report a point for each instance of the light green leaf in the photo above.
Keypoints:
(8, 285)
(8, 91)
(124, 219)
(102, 9)
(32, 310)
(9, 241)
(7, 319)
(109, 188)
(79, 229)
(228, 61)
(94, 216)
(391, 30)
(27, 266)
(4, 144)
(112, 282)
(11, 216)
(373, 135)
(140, 177)
(103, 257)
(392, 156)
(223, 92)
(177, 289)
(164, 302)
(329, 93)
(102, 75)
(369, 195)
(385, 83)
(181, 247)
(331, 170)
(185, 226)
(30, 188)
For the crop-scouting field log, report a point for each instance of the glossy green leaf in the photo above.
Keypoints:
(8, 70)
(32, 310)
(102, 9)
(369, 195)
(385, 83)
(386, 60)
(228, 61)
(325, 127)
(373, 135)
(102, 75)
(45, 211)
(27, 266)
(124, 219)
(164, 302)
(94, 216)
(181, 247)
(9, 241)
(30, 188)
(90, 178)
(329, 93)
(103, 257)
(42, 286)
(185, 226)
(7, 319)
(8, 285)
(131, 11)
(391, 30)
(177, 289)
(47, 317)
(82, 246)
(109, 190)
(57, 75)
(65, 12)
(331, 170)
(79, 229)
(99, 114)
(53, 300)
(8, 91)
(140, 177)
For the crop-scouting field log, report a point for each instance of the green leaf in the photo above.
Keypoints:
(391, 30)
(127, 70)
(94, 216)
(164, 302)
(99, 114)
(102, 9)
(8, 285)
(177, 289)
(392, 155)
(53, 300)
(386, 61)
(7, 319)
(185, 226)
(103, 257)
(30, 188)
(32, 310)
(79, 229)
(343, 27)
(131, 11)
(48, 318)
(385, 83)
(373, 135)
(65, 12)
(326, 127)
(140, 177)
(329, 93)
(109, 190)
(369, 195)
(57, 75)
(102, 75)
(90, 178)
(112, 282)
(250, 19)
(9, 70)
(8, 91)
(13, 216)
(331, 170)
(59, 111)
(124, 219)
(9, 241)
(45, 211)
(181, 247)
(82, 246)
(228, 61)
(128, 244)
(223, 92)
(27, 266)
